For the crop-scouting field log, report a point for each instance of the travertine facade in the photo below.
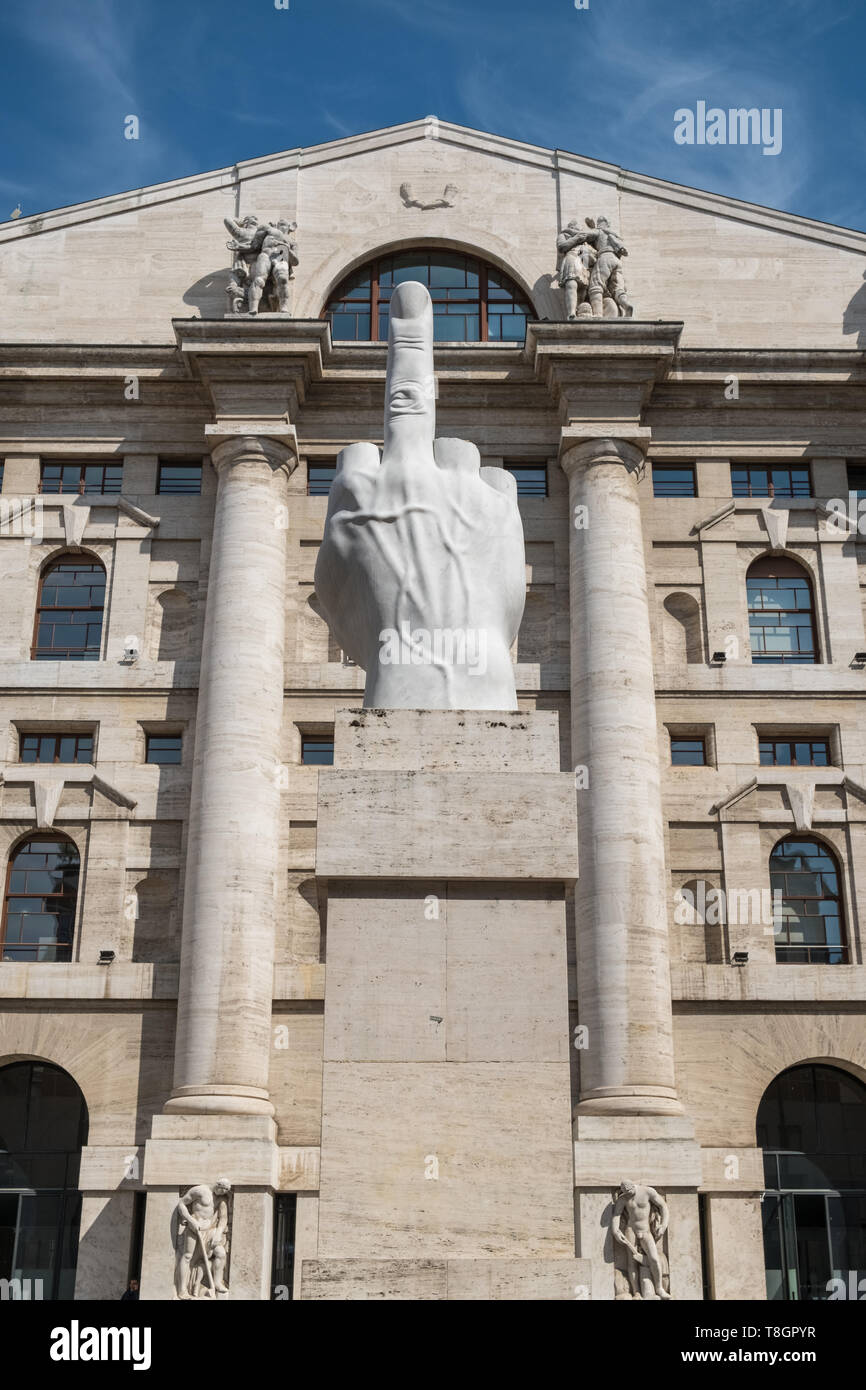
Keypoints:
(486, 884)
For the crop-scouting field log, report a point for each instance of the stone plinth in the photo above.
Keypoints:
(446, 1154)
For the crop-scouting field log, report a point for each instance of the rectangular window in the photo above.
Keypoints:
(179, 478)
(857, 478)
(688, 752)
(283, 1254)
(163, 748)
(55, 748)
(316, 751)
(795, 752)
(319, 478)
(2, 471)
(57, 476)
(753, 481)
(671, 480)
(531, 478)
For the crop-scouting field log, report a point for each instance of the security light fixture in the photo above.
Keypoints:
(719, 658)
(106, 957)
(740, 958)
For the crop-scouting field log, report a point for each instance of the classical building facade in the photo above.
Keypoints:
(305, 999)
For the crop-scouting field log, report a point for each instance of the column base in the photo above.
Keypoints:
(630, 1100)
(218, 1100)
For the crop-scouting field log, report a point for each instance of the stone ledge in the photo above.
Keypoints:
(447, 1280)
(768, 983)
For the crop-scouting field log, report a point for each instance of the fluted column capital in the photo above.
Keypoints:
(274, 451)
(590, 452)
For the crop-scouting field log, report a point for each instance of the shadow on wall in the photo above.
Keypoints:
(548, 301)
(854, 318)
(208, 294)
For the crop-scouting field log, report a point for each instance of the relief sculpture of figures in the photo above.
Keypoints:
(264, 263)
(200, 1233)
(639, 1221)
(590, 271)
(421, 572)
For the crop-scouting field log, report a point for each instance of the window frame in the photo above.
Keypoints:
(475, 263)
(770, 469)
(678, 468)
(319, 739)
(792, 740)
(57, 735)
(81, 558)
(188, 463)
(512, 465)
(82, 466)
(45, 837)
(796, 570)
(844, 946)
(689, 738)
(155, 762)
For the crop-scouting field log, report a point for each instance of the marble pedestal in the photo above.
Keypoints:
(446, 839)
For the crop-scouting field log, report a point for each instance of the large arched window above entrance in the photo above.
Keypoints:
(473, 302)
(810, 929)
(69, 610)
(43, 1127)
(40, 901)
(812, 1128)
(781, 612)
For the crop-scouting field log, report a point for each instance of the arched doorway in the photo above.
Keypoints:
(812, 1128)
(43, 1126)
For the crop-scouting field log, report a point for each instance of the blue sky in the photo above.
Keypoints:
(213, 82)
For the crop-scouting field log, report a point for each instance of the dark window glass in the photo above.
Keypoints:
(62, 477)
(55, 748)
(472, 302)
(69, 612)
(2, 471)
(810, 929)
(43, 1125)
(283, 1257)
(673, 481)
(781, 620)
(163, 748)
(857, 478)
(688, 752)
(794, 752)
(319, 478)
(179, 478)
(41, 893)
(315, 750)
(748, 481)
(531, 478)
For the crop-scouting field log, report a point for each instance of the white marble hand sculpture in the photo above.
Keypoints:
(421, 572)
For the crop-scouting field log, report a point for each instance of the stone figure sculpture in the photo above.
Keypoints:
(590, 271)
(421, 572)
(639, 1221)
(264, 262)
(200, 1233)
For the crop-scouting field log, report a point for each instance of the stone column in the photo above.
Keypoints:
(226, 978)
(622, 931)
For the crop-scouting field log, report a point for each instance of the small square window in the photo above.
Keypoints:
(531, 478)
(319, 478)
(179, 478)
(163, 748)
(316, 751)
(857, 478)
(674, 480)
(688, 752)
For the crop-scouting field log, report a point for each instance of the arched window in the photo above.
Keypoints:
(472, 302)
(43, 1126)
(812, 1128)
(69, 610)
(811, 927)
(781, 612)
(41, 895)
